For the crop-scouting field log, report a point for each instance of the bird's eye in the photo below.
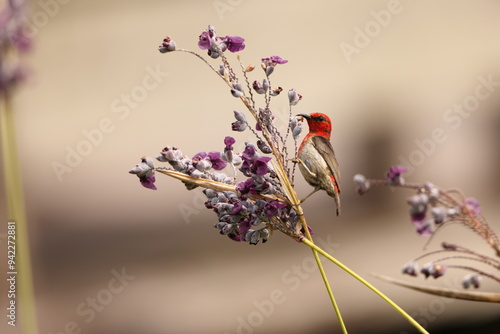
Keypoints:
(321, 119)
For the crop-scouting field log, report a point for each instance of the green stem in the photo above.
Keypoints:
(25, 302)
(366, 283)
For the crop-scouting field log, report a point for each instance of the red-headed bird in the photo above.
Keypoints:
(316, 157)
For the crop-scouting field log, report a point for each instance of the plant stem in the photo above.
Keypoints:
(366, 283)
(17, 214)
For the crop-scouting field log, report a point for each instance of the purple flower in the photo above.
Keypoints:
(236, 237)
(271, 208)
(394, 175)
(217, 162)
(274, 60)
(244, 227)
(259, 166)
(425, 227)
(244, 186)
(250, 153)
(229, 141)
(473, 206)
(148, 181)
(205, 41)
(233, 43)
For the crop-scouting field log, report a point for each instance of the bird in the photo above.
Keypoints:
(316, 157)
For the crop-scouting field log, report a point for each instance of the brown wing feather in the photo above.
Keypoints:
(324, 146)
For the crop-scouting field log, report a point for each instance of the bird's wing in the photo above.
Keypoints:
(324, 146)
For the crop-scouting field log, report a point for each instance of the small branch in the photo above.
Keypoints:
(450, 293)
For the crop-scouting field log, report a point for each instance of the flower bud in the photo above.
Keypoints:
(203, 165)
(265, 84)
(239, 116)
(236, 93)
(276, 91)
(168, 45)
(296, 131)
(264, 148)
(222, 70)
(439, 213)
(258, 87)
(269, 70)
(293, 97)
(252, 237)
(238, 126)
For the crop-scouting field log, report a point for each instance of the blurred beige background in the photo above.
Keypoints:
(385, 100)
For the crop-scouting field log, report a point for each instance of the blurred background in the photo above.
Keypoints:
(99, 96)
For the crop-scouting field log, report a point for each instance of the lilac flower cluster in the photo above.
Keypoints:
(429, 209)
(259, 199)
(240, 210)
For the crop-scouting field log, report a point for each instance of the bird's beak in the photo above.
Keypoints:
(306, 116)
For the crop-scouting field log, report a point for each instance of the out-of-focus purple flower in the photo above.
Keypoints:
(471, 279)
(425, 227)
(418, 207)
(362, 184)
(205, 41)
(411, 268)
(433, 269)
(394, 175)
(234, 43)
(145, 172)
(473, 205)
